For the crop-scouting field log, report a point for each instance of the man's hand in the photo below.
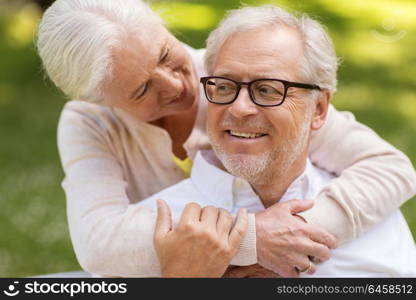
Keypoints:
(253, 271)
(203, 243)
(285, 243)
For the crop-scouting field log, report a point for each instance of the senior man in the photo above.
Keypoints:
(270, 88)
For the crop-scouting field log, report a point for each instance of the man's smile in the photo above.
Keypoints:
(245, 135)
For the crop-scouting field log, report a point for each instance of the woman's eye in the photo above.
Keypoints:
(165, 56)
(145, 88)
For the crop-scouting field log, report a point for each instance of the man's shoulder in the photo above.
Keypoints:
(321, 174)
(177, 196)
(318, 179)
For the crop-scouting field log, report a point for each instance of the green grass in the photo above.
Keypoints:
(376, 83)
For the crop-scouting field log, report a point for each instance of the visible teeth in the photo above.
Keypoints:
(245, 134)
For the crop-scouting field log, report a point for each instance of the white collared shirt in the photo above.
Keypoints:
(386, 250)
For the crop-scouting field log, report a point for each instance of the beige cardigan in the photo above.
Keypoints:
(112, 160)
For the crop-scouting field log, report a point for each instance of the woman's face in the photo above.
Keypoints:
(152, 75)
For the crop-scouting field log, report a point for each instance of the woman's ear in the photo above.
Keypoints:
(321, 109)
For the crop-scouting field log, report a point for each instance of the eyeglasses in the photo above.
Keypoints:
(263, 92)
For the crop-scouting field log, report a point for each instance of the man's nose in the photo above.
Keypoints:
(243, 106)
(171, 85)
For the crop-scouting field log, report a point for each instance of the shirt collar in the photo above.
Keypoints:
(224, 190)
(300, 187)
(214, 184)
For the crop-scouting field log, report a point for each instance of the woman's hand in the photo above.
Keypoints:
(203, 243)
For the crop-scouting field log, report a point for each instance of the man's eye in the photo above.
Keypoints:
(224, 88)
(269, 90)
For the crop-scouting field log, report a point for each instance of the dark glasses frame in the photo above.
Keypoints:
(286, 84)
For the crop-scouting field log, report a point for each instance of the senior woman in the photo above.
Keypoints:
(139, 118)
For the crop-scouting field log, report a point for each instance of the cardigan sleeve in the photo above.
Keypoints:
(374, 177)
(110, 236)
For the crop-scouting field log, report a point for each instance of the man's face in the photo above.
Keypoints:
(256, 142)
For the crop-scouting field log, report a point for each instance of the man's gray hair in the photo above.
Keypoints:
(76, 38)
(319, 62)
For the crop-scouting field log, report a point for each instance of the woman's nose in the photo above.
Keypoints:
(171, 84)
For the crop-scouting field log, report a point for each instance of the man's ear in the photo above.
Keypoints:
(321, 109)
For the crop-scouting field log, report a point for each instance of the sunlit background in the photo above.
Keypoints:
(377, 81)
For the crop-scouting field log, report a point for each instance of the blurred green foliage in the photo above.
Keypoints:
(375, 40)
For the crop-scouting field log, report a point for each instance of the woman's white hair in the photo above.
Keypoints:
(76, 38)
(319, 62)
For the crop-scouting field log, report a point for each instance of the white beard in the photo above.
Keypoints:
(260, 169)
(247, 166)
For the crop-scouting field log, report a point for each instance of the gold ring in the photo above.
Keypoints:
(307, 269)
